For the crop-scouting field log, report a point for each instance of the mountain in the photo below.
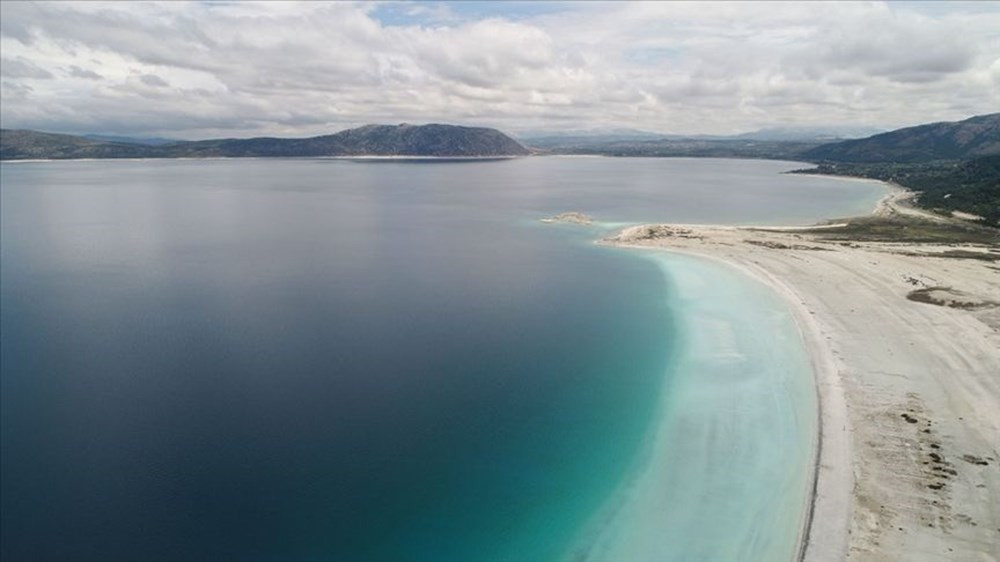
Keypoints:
(23, 145)
(607, 139)
(809, 134)
(703, 147)
(777, 142)
(370, 140)
(614, 132)
(151, 141)
(953, 166)
(960, 140)
(586, 137)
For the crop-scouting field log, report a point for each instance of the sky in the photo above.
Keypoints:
(197, 70)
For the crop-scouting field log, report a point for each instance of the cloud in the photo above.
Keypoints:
(21, 67)
(153, 80)
(197, 69)
(904, 48)
(15, 91)
(77, 72)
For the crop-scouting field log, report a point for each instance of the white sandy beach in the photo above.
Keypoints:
(909, 462)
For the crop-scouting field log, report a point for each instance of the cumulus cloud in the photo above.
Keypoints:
(198, 69)
(904, 48)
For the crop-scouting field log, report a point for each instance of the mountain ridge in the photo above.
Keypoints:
(947, 140)
(951, 166)
(431, 140)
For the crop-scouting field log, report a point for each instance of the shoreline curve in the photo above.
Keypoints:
(909, 440)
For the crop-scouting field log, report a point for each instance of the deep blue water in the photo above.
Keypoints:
(329, 360)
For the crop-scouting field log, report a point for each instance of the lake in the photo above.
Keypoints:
(323, 359)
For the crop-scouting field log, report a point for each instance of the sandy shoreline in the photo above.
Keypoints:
(908, 465)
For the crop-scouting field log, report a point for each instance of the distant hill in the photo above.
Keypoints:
(809, 134)
(370, 140)
(777, 143)
(701, 147)
(428, 140)
(560, 139)
(951, 166)
(151, 141)
(960, 140)
(615, 141)
(24, 145)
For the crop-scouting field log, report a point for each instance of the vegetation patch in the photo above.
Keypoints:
(781, 246)
(944, 186)
(956, 254)
(946, 296)
(907, 230)
(653, 232)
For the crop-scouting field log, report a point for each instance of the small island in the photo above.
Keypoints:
(571, 217)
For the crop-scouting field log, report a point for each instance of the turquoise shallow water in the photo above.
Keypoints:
(273, 360)
(725, 471)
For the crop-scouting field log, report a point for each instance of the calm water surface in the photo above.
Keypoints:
(329, 360)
